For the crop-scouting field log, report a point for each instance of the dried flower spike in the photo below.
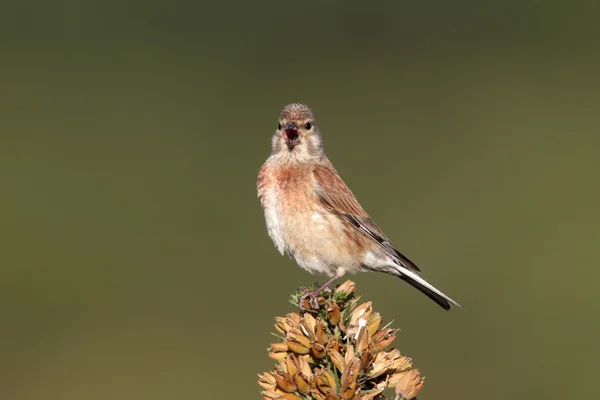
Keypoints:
(337, 353)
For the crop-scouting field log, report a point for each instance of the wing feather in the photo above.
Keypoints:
(338, 198)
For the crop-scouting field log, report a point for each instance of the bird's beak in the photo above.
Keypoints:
(291, 134)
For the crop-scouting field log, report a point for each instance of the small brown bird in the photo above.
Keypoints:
(313, 216)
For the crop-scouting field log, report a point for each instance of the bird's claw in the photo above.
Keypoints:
(309, 301)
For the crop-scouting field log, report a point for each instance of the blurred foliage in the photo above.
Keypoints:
(135, 261)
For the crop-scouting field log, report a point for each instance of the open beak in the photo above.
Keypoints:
(291, 134)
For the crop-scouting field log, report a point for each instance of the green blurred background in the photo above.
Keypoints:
(135, 262)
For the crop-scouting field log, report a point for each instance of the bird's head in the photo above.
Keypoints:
(297, 133)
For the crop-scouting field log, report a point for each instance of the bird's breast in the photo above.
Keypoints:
(299, 224)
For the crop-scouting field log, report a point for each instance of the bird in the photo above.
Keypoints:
(312, 215)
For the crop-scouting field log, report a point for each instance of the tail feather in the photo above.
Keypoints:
(424, 287)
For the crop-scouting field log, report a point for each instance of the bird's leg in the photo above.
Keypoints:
(313, 295)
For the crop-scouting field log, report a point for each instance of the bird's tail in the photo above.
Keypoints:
(413, 279)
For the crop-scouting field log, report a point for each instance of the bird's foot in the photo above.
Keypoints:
(311, 299)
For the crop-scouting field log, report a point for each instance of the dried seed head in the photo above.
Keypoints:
(325, 382)
(320, 334)
(362, 339)
(333, 312)
(383, 339)
(374, 323)
(291, 364)
(297, 342)
(409, 384)
(337, 359)
(317, 350)
(305, 368)
(308, 323)
(347, 288)
(267, 381)
(349, 379)
(278, 351)
(337, 353)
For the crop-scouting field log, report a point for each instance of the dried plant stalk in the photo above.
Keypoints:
(337, 353)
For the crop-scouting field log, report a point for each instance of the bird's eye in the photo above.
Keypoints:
(279, 127)
(308, 126)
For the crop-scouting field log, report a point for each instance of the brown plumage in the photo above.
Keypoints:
(314, 217)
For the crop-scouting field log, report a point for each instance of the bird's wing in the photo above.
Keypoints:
(338, 198)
